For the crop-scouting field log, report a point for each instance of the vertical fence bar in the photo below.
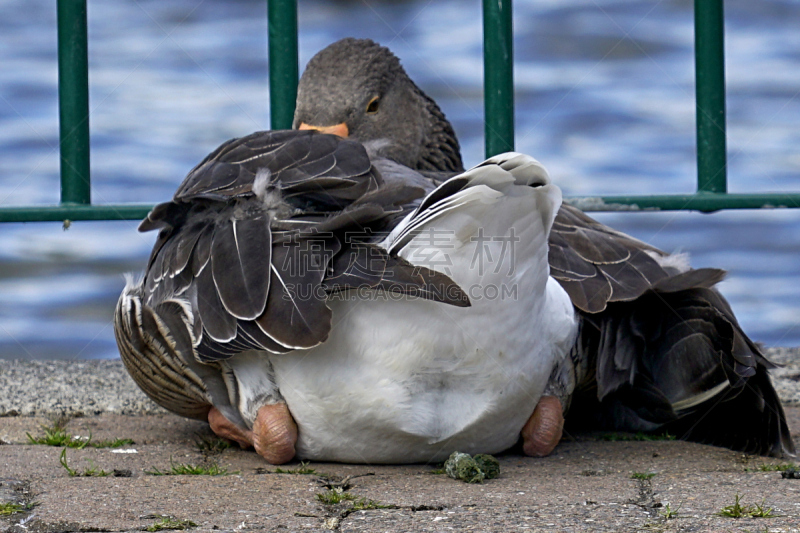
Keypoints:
(498, 77)
(709, 50)
(283, 69)
(73, 102)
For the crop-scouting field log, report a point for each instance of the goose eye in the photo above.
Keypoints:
(372, 106)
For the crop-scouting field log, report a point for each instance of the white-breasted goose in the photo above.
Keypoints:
(366, 300)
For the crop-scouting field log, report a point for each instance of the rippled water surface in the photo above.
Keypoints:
(605, 100)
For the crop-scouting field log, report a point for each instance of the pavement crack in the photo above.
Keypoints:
(334, 522)
(341, 484)
(338, 504)
(415, 508)
(20, 504)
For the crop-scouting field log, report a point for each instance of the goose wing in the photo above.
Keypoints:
(660, 348)
(597, 265)
(264, 229)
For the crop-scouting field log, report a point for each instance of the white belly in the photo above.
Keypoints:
(414, 391)
(412, 380)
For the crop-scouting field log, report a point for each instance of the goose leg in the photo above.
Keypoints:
(542, 431)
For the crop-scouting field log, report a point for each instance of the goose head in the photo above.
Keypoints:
(357, 88)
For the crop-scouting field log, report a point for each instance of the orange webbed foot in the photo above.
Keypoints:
(542, 431)
(275, 433)
(226, 429)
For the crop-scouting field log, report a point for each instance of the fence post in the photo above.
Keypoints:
(498, 76)
(73, 102)
(709, 50)
(283, 69)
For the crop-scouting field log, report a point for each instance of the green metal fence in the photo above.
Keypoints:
(711, 192)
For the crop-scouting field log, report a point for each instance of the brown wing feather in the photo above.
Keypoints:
(296, 315)
(217, 322)
(240, 259)
(597, 265)
(364, 265)
(251, 262)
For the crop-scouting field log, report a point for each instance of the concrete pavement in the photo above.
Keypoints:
(588, 484)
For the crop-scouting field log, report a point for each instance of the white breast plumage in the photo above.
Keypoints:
(403, 379)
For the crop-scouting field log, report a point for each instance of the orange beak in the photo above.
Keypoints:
(337, 129)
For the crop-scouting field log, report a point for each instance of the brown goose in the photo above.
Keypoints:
(659, 347)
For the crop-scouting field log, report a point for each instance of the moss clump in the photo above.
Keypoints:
(179, 469)
(333, 497)
(10, 508)
(363, 504)
(169, 523)
(462, 466)
(488, 465)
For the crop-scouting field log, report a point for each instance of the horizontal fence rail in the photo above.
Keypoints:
(711, 192)
(65, 212)
(705, 202)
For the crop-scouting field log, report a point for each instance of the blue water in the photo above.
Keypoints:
(605, 100)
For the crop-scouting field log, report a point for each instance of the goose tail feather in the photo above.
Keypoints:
(677, 361)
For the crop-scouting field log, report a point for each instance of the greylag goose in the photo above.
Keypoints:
(659, 348)
(326, 298)
(315, 301)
